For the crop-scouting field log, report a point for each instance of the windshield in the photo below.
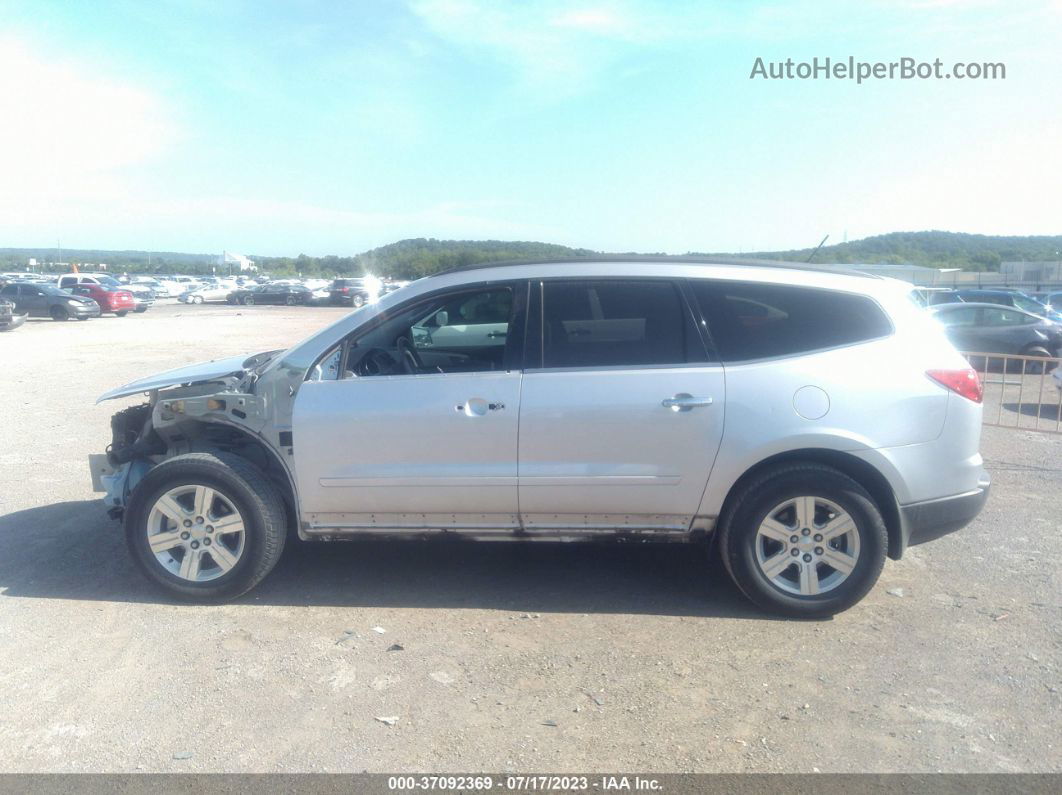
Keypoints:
(1028, 304)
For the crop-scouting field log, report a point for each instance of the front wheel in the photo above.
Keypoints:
(58, 313)
(205, 527)
(82, 317)
(122, 312)
(1036, 368)
(249, 300)
(357, 301)
(803, 540)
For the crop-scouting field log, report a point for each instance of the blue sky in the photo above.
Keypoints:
(328, 127)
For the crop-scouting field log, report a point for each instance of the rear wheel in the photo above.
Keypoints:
(290, 300)
(804, 540)
(357, 301)
(205, 527)
(58, 313)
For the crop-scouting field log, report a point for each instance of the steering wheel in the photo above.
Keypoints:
(376, 361)
(411, 362)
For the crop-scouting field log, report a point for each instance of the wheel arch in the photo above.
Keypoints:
(865, 474)
(212, 437)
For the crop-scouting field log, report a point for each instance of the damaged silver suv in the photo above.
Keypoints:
(570, 401)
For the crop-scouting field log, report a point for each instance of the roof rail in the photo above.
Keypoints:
(665, 259)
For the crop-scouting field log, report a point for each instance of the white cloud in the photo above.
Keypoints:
(69, 130)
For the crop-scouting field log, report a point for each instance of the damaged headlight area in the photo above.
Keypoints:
(210, 415)
(133, 442)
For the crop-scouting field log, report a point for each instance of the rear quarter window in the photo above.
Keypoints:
(760, 321)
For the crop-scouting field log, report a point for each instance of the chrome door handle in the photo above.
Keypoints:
(684, 401)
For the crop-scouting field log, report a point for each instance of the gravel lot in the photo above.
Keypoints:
(539, 658)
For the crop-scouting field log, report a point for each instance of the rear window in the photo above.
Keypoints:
(759, 321)
(616, 324)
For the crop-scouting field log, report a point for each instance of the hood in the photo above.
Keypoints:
(190, 374)
(69, 296)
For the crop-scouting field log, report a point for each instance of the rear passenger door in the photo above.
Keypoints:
(1003, 330)
(621, 410)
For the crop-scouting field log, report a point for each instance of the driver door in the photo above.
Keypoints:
(395, 434)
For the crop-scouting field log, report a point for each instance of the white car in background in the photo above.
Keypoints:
(163, 287)
(208, 293)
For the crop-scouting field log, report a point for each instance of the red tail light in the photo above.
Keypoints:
(963, 382)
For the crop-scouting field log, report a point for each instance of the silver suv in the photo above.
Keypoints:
(805, 423)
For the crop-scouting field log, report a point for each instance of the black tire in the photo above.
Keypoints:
(122, 312)
(738, 529)
(249, 300)
(82, 317)
(59, 313)
(242, 484)
(1034, 368)
(357, 301)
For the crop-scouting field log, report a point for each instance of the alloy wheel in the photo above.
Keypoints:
(196, 533)
(807, 546)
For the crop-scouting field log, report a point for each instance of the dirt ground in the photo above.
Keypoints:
(519, 658)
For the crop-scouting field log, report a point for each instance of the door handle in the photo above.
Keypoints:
(684, 401)
(477, 407)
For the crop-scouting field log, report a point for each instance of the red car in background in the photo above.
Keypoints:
(110, 299)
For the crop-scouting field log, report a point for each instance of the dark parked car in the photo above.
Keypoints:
(990, 328)
(349, 292)
(289, 294)
(1013, 298)
(44, 300)
(8, 318)
(1052, 299)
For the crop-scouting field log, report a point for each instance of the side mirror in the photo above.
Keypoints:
(442, 318)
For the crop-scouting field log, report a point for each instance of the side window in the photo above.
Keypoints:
(960, 317)
(944, 298)
(67, 281)
(463, 332)
(616, 324)
(9, 289)
(759, 321)
(1005, 317)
